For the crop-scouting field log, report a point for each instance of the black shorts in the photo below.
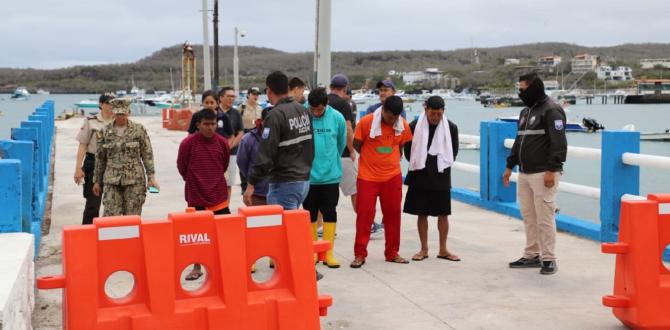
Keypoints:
(427, 202)
(323, 198)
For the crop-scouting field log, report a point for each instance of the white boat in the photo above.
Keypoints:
(87, 104)
(663, 136)
(362, 97)
(21, 94)
(43, 92)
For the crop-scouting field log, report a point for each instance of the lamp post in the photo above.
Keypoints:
(236, 64)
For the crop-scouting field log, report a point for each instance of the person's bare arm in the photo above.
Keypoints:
(357, 144)
(350, 141)
(78, 172)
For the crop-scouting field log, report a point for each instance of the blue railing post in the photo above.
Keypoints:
(484, 159)
(10, 195)
(498, 132)
(22, 151)
(616, 179)
(30, 134)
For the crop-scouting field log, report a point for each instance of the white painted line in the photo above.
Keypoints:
(110, 233)
(264, 221)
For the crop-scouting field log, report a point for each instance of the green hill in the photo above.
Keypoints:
(153, 71)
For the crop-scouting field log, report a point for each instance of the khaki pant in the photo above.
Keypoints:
(538, 208)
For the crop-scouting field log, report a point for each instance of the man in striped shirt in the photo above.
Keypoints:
(202, 162)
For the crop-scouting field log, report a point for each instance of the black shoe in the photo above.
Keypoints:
(526, 263)
(548, 267)
(319, 276)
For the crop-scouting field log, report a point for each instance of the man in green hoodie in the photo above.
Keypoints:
(330, 139)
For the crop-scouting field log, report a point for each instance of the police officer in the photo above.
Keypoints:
(125, 161)
(87, 137)
(539, 149)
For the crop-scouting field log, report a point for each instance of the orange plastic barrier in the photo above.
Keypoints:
(156, 253)
(641, 281)
(177, 119)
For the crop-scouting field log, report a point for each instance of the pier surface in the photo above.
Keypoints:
(480, 292)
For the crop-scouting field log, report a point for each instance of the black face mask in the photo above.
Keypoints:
(533, 94)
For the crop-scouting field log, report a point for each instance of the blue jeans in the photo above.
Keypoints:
(289, 195)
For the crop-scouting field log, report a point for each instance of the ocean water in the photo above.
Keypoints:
(467, 115)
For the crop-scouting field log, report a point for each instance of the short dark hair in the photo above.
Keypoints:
(317, 97)
(529, 77)
(295, 82)
(207, 93)
(206, 114)
(393, 104)
(435, 102)
(277, 81)
(223, 90)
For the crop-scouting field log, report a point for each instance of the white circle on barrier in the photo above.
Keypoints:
(262, 270)
(193, 277)
(119, 284)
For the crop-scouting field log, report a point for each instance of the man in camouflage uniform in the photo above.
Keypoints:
(88, 136)
(124, 162)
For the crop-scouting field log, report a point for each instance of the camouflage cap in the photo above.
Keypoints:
(120, 106)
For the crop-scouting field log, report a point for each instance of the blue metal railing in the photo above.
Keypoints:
(25, 163)
(617, 179)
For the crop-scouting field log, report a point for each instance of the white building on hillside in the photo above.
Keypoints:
(431, 77)
(650, 63)
(512, 61)
(584, 63)
(606, 72)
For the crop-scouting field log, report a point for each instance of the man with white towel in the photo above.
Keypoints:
(432, 152)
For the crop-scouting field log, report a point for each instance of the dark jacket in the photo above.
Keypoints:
(429, 178)
(287, 146)
(223, 126)
(246, 156)
(540, 143)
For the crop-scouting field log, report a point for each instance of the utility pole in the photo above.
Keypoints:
(216, 44)
(322, 52)
(207, 69)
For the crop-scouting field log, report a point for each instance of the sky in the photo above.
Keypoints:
(48, 34)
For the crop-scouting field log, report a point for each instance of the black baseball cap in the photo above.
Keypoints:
(105, 98)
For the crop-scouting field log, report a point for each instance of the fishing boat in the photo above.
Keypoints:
(21, 94)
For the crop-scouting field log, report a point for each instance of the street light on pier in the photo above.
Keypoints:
(236, 64)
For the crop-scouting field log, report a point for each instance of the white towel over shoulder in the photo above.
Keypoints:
(376, 129)
(441, 146)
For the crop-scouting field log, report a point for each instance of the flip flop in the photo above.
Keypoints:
(357, 263)
(419, 257)
(398, 260)
(193, 276)
(450, 257)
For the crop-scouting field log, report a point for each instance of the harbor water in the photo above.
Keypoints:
(467, 115)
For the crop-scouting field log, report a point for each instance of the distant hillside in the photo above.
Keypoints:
(153, 72)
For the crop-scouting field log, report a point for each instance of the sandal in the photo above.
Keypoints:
(357, 263)
(419, 257)
(450, 257)
(398, 260)
(194, 275)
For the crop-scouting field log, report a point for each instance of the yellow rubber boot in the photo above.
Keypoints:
(315, 226)
(329, 235)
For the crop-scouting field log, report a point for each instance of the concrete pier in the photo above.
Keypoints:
(480, 292)
(17, 281)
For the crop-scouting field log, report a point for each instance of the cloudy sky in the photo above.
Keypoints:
(61, 33)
